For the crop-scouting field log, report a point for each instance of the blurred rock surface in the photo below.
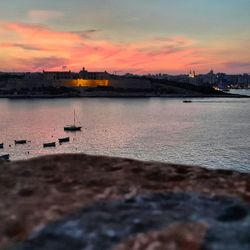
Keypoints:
(36, 192)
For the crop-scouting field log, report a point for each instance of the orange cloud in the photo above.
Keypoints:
(35, 47)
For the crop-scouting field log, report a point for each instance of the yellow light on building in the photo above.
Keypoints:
(87, 83)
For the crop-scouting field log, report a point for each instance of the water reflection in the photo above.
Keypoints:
(208, 132)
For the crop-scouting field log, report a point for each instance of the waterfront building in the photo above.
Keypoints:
(192, 78)
(84, 74)
(86, 79)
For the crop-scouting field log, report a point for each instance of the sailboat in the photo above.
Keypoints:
(65, 139)
(49, 144)
(20, 141)
(73, 127)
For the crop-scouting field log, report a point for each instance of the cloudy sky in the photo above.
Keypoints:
(142, 36)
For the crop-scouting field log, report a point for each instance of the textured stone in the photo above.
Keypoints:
(104, 225)
(36, 192)
(179, 236)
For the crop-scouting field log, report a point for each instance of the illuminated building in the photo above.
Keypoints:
(84, 74)
(86, 83)
(86, 79)
(192, 74)
(81, 79)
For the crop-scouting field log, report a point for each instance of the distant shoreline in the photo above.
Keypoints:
(118, 95)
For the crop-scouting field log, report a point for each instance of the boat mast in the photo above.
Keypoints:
(74, 118)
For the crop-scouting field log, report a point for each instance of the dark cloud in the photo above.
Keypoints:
(25, 46)
(198, 62)
(85, 33)
(163, 50)
(43, 63)
(19, 45)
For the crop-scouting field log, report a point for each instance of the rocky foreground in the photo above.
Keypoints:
(78, 202)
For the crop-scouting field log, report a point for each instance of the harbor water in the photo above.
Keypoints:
(210, 132)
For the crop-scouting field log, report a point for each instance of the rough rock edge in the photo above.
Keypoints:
(37, 191)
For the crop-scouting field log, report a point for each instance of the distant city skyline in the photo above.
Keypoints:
(136, 36)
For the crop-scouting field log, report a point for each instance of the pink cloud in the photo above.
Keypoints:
(36, 47)
(40, 34)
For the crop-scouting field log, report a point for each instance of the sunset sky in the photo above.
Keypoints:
(137, 36)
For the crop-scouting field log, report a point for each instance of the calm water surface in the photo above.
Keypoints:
(240, 91)
(208, 132)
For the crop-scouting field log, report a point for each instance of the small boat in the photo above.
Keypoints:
(73, 127)
(20, 141)
(49, 144)
(1, 145)
(187, 101)
(65, 139)
(5, 157)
